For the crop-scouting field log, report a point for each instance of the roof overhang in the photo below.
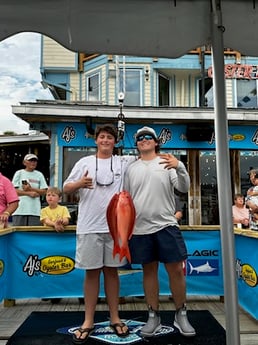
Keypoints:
(23, 139)
(54, 111)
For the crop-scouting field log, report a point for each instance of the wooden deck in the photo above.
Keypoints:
(12, 317)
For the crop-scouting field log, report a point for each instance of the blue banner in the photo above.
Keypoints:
(3, 265)
(41, 264)
(170, 136)
(204, 274)
(247, 273)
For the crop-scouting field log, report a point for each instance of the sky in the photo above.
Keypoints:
(19, 78)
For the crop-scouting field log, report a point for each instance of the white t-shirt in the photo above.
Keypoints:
(93, 202)
(28, 205)
(254, 198)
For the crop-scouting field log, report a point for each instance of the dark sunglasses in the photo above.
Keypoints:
(32, 160)
(145, 136)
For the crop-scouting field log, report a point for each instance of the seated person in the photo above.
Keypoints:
(240, 212)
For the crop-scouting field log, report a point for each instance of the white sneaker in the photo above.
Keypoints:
(152, 325)
(182, 323)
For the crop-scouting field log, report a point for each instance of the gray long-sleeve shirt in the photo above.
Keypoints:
(152, 189)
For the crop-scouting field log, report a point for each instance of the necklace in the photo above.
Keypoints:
(111, 169)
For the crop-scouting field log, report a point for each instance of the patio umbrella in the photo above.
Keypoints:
(158, 28)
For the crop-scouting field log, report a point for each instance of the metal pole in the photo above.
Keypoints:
(224, 181)
(203, 76)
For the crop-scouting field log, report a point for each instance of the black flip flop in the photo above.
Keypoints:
(79, 341)
(120, 325)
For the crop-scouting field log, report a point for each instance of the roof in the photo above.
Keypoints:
(23, 138)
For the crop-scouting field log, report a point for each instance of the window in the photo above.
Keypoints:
(206, 93)
(93, 88)
(72, 155)
(131, 86)
(248, 161)
(182, 198)
(163, 91)
(209, 193)
(246, 93)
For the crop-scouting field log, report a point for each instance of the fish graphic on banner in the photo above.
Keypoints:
(207, 268)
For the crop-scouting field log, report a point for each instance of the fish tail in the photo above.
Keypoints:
(191, 267)
(124, 252)
(116, 250)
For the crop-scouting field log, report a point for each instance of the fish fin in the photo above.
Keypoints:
(124, 252)
(116, 250)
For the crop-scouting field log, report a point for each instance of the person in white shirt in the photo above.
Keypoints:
(97, 178)
(30, 185)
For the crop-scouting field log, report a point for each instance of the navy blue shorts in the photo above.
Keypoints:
(166, 245)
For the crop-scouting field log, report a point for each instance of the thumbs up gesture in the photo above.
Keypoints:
(86, 181)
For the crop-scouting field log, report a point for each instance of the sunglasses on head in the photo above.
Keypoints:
(145, 136)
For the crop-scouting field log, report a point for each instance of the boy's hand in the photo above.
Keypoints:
(33, 194)
(86, 181)
(59, 227)
(26, 187)
(169, 161)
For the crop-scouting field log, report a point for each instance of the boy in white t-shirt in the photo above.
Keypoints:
(97, 178)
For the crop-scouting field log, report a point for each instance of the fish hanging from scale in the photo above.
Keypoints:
(121, 219)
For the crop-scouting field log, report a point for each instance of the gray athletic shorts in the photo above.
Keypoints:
(95, 251)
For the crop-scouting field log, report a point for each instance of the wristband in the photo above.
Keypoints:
(6, 212)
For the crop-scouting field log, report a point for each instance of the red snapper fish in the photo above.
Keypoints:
(121, 219)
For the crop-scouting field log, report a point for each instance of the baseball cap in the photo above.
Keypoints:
(30, 156)
(146, 130)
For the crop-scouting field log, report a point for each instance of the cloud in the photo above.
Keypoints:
(19, 78)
